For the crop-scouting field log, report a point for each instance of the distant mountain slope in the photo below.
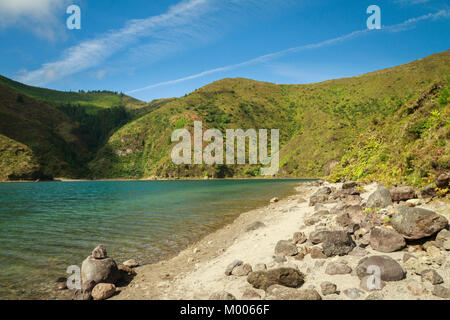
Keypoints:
(93, 100)
(318, 123)
(37, 141)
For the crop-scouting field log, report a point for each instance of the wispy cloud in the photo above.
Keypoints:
(90, 53)
(38, 16)
(264, 58)
(146, 39)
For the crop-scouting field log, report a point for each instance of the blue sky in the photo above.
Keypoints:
(158, 49)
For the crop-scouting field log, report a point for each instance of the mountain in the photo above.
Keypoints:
(320, 125)
(387, 125)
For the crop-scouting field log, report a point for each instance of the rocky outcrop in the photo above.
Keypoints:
(417, 223)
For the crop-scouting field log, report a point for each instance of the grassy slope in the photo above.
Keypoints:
(94, 101)
(37, 140)
(318, 123)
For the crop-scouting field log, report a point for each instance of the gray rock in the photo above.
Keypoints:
(417, 223)
(429, 191)
(402, 193)
(260, 267)
(386, 240)
(441, 291)
(328, 288)
(222, 295)
(334, 268)
(390, 270)
(432, 276)
(317, 237)
(380, 198)
(242, 270)
(443, 235)
(81, 295)
(353, 293)
(231, 266)
(99, 270)
(250, 294)
(286, 248)
(358, 252)
(99, 252)
(288, 277)
(254, 226)
(277, 292)
(317, 253)
(320, 196)
(442, 180)
(312, 221)
(299, 238)
(279, 258)
(337, 243)
(88, 285)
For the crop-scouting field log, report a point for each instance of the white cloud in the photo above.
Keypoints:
(37, 16)
(271, 56)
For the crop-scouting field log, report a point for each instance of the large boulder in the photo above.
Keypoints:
(402, 193)
(288, 277)
(390, 270)
(99, 270)
(417, 223)
(386, 240)
(380, 198)
(277, 292)
(337, 243)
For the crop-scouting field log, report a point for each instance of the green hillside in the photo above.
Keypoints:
(318, 123)
(388, 125)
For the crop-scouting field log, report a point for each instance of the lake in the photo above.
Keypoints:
(45, 227)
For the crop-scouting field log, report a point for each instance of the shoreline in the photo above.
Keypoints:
(197, 271)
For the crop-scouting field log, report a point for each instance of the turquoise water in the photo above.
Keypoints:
(45, 227)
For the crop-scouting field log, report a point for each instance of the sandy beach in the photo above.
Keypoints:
(199, 271)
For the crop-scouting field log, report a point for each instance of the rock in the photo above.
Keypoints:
(442, 181)
(242, 270)
(320, 196)
(250, 294)
(61, 286)
(321, 213)
(417, 223)
(103, 291)
(353, 293)
(443, 235)
(416, 288)
(254, 226)
(260, 267)
(81, 295)
(222, 295)
(285, 248)
(337, 243)
(288, 277)
(277, 292)
(431, 276)
(402, 193)
(131, 263)
(386, 240)
(88, 285)
(349, 185)
(231, 266)
(317, 253)
(99, 270)
(328, 288)
(274, 200)
(299, 238)
(408, 256)
(358, 252)
(441, 291)
(370, 283)
(311, 221)
(375, 296)
(390, 270)
(334, 268)
(300, 256)
(126, 271)
(380, 198)
(413, 202)
(99, 252)
(429, 191)
(317, 237)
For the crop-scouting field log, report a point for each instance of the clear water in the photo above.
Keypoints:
(45, 227)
